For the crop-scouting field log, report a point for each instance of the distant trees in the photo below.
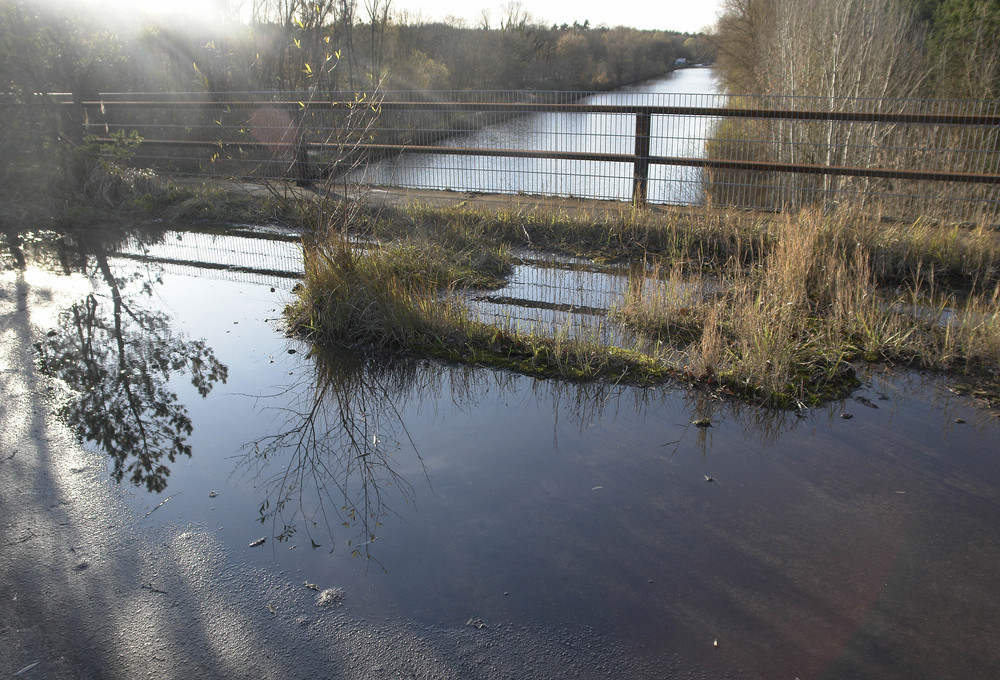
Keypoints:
(286, 43)
(521, 54)
(963, 36)
(830, 48)
(294, 44)
(928, 48)
(832, 54)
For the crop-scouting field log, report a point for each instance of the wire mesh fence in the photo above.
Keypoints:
(904, 158)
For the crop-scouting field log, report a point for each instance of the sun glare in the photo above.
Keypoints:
(125, 15)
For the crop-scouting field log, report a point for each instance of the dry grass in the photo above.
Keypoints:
(400, 297)
(787, 328)
(776, 308)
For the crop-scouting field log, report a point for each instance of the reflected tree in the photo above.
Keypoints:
(333, 463)
(15, 244)
(339, 455)
(117, 358)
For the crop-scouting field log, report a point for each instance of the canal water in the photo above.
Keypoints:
(768, 545)
(677, 136)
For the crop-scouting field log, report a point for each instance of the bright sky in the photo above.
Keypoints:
(670, 15)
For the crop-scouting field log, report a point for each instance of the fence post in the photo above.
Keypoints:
(640, 172)
(303, 173)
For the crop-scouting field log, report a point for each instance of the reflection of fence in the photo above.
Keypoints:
(905, 156)
(261, 258)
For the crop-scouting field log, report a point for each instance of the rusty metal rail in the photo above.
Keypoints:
(521, 108)
(739, 151)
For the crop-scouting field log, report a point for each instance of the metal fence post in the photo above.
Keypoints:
(640, 172)
(303, 173)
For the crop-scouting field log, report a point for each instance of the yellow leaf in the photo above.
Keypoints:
(298, 43)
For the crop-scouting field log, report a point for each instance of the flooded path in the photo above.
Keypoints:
(593, 530)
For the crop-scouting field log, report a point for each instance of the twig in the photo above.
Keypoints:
(27, 668)
(151, 587)
(25, 539)
(527, 236)
(161, 503)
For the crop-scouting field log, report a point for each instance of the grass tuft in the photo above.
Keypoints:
(773, 308)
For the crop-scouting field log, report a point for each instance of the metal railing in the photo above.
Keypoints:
(906, 157)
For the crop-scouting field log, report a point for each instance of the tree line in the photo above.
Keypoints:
(860, 48)
(335, 44)
(885, 56)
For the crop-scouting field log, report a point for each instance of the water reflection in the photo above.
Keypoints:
(14, 245)
(344, 451)
(332, 460)
(117, 355)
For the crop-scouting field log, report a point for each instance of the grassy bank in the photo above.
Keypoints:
(399, 296)
(774, 308)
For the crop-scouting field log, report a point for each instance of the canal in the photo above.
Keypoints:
(681, 136)
(595, 525)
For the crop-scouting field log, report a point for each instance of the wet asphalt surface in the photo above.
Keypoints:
(91, 590)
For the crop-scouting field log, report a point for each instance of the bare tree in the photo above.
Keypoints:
(836, 52)
(378, 19)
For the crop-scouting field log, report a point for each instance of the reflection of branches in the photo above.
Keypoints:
(14, 244)
(336, 454)
(335, 462)
(118, 369)
(336, 449)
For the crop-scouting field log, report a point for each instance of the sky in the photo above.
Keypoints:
(670, 15)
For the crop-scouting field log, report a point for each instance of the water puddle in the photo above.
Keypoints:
(766, 544)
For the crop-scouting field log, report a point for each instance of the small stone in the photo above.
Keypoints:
(331, 597)
(702, 422)
(960, 421)
(213, 494)
(846, 416)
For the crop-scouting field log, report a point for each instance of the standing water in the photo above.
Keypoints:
(594, 525)
(677, 136)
